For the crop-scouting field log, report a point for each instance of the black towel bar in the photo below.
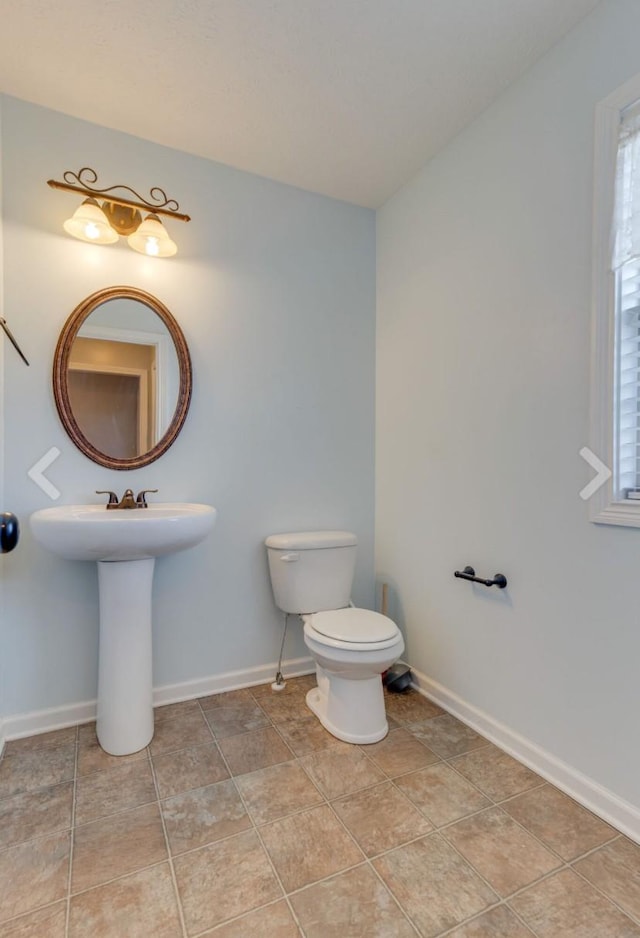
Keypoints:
(469, 573)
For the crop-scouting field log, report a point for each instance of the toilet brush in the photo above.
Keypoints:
(398, 677)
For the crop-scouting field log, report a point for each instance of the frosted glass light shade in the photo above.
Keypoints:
(152, 239)
(89, 223)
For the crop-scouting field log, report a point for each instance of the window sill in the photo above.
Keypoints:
(625, 513)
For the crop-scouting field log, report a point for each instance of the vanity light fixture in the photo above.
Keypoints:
(119, 216)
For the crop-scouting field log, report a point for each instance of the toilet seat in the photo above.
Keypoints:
(351, 628)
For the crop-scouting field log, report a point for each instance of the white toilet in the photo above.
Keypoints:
(311, 575)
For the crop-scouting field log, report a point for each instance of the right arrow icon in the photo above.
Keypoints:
(603, 473)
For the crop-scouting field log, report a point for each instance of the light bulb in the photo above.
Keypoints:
(91, 230)
(152, 239)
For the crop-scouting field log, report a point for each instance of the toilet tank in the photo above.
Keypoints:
(312, 571)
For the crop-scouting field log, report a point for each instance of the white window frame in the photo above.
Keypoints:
(604, 508)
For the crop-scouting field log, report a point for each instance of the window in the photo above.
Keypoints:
(615, 424)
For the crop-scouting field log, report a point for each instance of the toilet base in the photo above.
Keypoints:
(351, 710)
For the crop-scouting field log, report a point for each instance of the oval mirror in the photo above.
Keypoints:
(122, 377)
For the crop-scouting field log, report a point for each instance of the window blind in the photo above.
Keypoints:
(626, 266)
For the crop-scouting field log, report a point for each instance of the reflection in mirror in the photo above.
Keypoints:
(122, 377)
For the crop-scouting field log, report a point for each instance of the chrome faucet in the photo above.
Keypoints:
(127, 500)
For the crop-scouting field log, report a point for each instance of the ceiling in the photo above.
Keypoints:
(348, 98)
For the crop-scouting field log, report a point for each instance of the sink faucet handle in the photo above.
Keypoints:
(113, 498)
(141, 501)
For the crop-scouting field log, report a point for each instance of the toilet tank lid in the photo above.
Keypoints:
(311, 540)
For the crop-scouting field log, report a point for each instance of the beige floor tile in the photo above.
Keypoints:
(34, 814)
(615, 869)
(434, 885)
(381, 818)
(558, 821)
(282, 706)
(309, 846)
(272, 921)
(91, 756)
(255, 750)
(410, 707)
(496, 773)
(237, 718)
(354, 904)
(191, 729)
(142, 905)
(507, 856)
(189, 768)
(341, 769)
(113, 790)
(37, 871)
(201, 816)
(224, 880)
(447, 736)
(497, 923)
(53, 740)
(305, 735)
(45, 923)
(175, 711)
(117, 845)
(277, 791)
(303, 682)
(564, 906)
(400, 752)
(226, 698)
(442, 793)
(31, 769)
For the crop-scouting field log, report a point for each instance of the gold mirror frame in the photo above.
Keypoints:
(61, 387)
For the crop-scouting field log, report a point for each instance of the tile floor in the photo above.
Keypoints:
(244, 817)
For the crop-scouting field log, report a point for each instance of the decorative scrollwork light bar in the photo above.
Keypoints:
(119, 215)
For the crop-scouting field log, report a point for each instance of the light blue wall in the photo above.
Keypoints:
(484, 324)
(3, 507)
(274, 289)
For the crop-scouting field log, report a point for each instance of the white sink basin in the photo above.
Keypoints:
(125, 543)
(90, 532)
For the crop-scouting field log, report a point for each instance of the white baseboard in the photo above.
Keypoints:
(231, 680)
(606, 804)
(56, 718)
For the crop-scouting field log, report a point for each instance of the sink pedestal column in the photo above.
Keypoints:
(125, 688)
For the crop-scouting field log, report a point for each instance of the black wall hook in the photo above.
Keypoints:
(9, 334)
(469, 573)
(9, 532)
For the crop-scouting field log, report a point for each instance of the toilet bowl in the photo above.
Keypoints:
(351, 648)
(311, 575)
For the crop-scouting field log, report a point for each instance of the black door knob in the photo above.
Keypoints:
(9, 532)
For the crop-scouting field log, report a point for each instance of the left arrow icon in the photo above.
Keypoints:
(36, 473)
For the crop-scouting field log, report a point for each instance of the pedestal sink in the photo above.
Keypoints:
(124, 543)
